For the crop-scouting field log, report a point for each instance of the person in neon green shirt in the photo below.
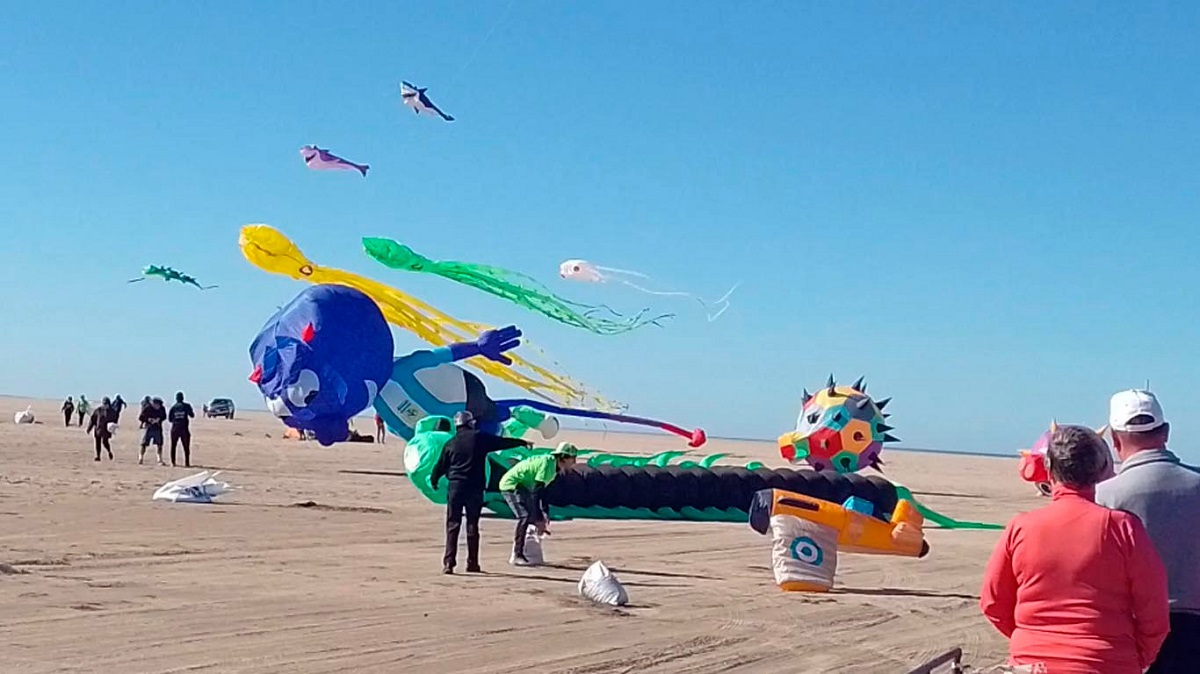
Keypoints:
(524, 490)
(83, 409)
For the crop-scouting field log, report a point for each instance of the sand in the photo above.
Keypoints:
(96, 577)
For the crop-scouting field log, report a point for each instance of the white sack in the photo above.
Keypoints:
(533, 546)
(601, 586)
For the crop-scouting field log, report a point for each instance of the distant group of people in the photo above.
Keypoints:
(102, 422)
(463, 463)
(106, 417)
(1106, 578)
(70, 409)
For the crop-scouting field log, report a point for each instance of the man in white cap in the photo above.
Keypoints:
(1165, 494)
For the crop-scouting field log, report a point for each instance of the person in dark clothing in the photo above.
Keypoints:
(118, 406)
(145, 404)
(98, 423)
(463, 462)
(152, 417)
(68, 410)
(180, 431)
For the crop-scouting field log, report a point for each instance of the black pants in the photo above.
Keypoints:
(526, 508)
(102, 440)
(182, 436)
(460, 498)
(67, 417)
(81, 415)
(1181, 651)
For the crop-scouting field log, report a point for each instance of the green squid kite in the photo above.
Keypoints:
(509, 285)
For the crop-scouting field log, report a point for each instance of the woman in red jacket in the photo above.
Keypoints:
(1077, 588)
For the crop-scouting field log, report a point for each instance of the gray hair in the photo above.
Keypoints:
(1077, 456)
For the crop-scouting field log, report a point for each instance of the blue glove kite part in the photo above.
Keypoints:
(427, 382)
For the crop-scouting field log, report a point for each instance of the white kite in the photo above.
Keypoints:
(582, 270)
(198, 488)
(416, 99)
(25, 417)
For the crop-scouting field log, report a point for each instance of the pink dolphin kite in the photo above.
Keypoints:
(323, 160)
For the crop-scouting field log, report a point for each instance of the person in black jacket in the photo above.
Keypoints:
(68, 410)
(118, 405)
(462, 462)
(152, 417)
(98, 423)
(181, 432)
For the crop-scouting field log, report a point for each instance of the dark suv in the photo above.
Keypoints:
(219, 407)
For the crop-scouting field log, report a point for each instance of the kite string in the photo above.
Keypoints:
(723, 302)
(479, 47)
(660, 292)
(614, 270)
(707, 311)
(725, 297)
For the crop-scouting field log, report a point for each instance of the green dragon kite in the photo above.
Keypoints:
(169, 274)
(611, 486)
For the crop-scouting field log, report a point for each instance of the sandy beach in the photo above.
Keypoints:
(96, 577)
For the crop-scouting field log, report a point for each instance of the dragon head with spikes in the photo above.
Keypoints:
(840, 427)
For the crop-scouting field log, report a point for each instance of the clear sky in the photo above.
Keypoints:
(988, 209)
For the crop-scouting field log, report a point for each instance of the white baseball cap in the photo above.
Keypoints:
(1128, 405)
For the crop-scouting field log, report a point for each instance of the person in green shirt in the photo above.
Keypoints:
(524, 490)
(83, 409)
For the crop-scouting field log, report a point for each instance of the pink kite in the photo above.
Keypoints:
(324, 160)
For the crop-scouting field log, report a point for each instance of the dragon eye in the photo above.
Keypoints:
(813, 418)
(305, 390)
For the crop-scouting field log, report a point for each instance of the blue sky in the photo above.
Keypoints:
(987, 209)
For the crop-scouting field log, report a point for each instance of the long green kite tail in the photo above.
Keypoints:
(508, 285)
(939, 519)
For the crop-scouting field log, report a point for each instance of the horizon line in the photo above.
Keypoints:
(917, 450)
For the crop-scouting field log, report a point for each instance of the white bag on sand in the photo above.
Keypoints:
(601, 586)
(533, 546)
(198, 488)
(25, 417)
